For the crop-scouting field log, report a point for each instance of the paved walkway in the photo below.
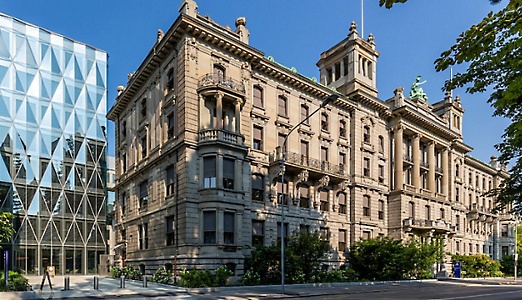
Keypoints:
(83, 287)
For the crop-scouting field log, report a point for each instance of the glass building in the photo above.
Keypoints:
(53, 94)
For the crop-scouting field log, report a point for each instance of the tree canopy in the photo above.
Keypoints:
(492, 50)
(6, 226)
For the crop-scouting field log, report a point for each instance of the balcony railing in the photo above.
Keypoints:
(215, 135)
(312, 163)
(220, 81)
(428, 224)
(408, 158)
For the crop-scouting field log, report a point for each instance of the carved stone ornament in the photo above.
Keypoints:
(344, 185)
(303, 176)
(324, 181)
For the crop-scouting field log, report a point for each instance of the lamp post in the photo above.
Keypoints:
(283, 154)
(516, 249)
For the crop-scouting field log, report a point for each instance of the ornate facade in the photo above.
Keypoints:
(199, 130)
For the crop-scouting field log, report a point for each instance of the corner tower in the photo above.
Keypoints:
(350, 65)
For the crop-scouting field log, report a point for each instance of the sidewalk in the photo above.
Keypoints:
(83, 287)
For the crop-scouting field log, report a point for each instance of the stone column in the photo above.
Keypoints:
(445, 172)
(219, 111)
(431, 165)
(398, 174)
(416, 161)
(238, 116)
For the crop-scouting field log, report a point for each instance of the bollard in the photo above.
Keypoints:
(96, 282)
(144, 280)
(122, 281)
(67, 283)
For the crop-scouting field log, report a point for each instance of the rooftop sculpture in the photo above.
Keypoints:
(416, 90)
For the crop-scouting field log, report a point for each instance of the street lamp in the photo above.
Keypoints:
(283, 154)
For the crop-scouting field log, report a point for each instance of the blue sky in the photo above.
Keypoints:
(409, 38)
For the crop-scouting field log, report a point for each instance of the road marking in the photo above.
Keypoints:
(481, 295)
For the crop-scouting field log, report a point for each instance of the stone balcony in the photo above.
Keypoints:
(221, 135)
(217, 81)
(438, 226)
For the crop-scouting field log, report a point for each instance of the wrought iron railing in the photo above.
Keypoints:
(312, 163)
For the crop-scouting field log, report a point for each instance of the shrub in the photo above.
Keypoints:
(250, 277)
(163, 276)
(478, 265)
(204, 278)
(15, 282)
(128, 271)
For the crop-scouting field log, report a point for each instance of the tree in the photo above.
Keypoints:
(493, 50)
(6, 226)
(303, 256)
(384, 258)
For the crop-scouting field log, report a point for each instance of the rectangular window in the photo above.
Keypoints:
(124, 162)
(280, 192)
(170, 79)
(281, 141)
(169, 181)
(228, 227)
(304, 150)
(258, 233)
(258, 187)
(366, 206)
(170, 126)
(228, 173)
(342, 129)
(324, 122)
(143, 236)
(457, 194)
(143, 107)
(342, 204)
(366, 234)
(258, 97)
(504, 230)
(411, 211)
(303, 228)
(258, 138)
(279, 232)
(123, 202)
(442, 214)
(324, 233)
(144, 194)
(342, 240)
(381, 144)
(304, 200)
(324, 154)
(323, 196)
(428, 212)
(282, 106)
(123, 129)
(304, 113)
(381, 174)
(143, 145)
(170, 230)
(209, 171)
(209, 227)
(381, 210)
(366, 167)
(366, 134)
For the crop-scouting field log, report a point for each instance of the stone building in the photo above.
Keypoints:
(200, 127)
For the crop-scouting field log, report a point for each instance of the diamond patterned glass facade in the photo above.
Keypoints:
(53, 94)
